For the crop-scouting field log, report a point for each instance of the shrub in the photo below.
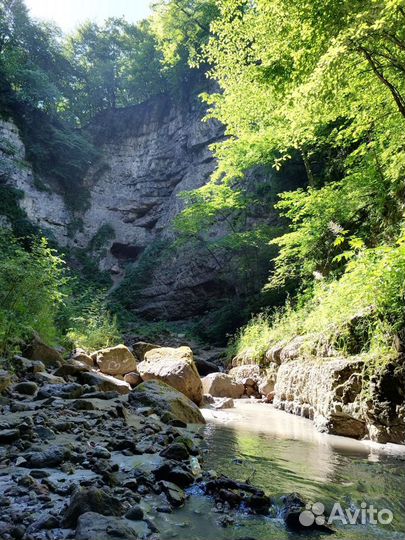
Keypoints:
(94, 328)
(362, 312)
(253, 339)
(31, 291)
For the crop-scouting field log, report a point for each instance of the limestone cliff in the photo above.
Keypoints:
(342, 395)
(149, 154)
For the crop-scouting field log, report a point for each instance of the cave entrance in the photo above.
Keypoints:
(126, 252)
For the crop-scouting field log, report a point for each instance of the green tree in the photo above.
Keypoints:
(117, 64)
(324, 80)
(182, 27)
(31, 292)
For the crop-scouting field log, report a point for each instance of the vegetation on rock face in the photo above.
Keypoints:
(325, 80)
(305, 89)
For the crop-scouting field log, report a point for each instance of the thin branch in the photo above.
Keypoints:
(394, 91)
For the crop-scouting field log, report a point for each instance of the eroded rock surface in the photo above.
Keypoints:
(222, 385)
(175, 367)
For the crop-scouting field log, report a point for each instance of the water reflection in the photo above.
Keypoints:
(283, 453)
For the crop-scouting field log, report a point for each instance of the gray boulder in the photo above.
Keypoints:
(164, 399)
(222, 385)
(174, 367)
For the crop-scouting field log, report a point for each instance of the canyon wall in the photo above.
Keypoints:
(148, 154)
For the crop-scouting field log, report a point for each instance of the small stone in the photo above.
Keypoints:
(133, 378)
(83, 405)
(101, 452)
(135, 513)
(8, 436)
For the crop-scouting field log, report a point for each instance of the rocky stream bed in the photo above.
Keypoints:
(105, 446)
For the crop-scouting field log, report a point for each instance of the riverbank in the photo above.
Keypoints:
(281, 453)
(89, 448)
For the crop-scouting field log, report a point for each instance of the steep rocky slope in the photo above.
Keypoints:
(148, 155)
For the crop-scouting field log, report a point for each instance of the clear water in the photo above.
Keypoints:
(282, 453)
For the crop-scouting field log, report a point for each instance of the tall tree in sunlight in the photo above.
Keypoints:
(32, 59)
(326, 80)
(182, 28)
(117, 64)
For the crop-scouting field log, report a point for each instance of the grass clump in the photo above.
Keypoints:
(359, 313)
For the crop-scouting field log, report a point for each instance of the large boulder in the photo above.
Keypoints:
(116, 360)
(222, 385)
(104, 383)
(166, 401)
(91, 500)
(176, 368)
(39, 350)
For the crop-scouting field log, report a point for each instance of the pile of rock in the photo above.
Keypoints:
(83, 455)
(127, 369)
(247, 381)
(80, 450)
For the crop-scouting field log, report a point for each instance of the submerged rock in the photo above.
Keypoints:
(298, 516)
(174, 494)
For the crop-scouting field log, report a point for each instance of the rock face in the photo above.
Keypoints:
(325, 392)
(164, 399)
(116, 360)
(222, 385)
(36, 202)
(149, 154)
(176, 368)
(331, 392)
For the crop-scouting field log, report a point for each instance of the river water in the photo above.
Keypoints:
(282, 453)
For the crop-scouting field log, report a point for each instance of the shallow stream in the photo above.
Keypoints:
(282, 453)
